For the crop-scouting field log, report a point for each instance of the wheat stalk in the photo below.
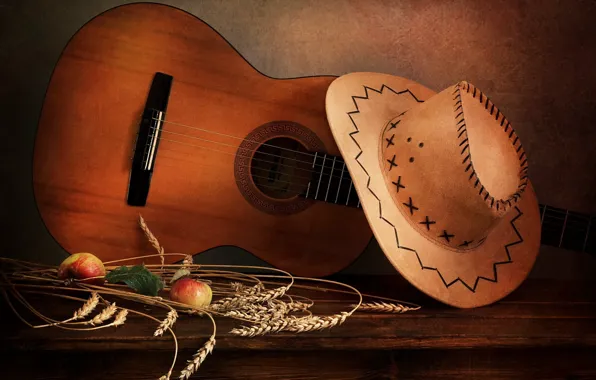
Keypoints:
(385, 307)
(87, 307)
(198, 358)
(167, 323)
(103, 316)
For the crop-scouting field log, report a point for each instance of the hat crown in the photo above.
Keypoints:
(454, 166)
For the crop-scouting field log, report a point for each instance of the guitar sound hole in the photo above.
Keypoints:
(281, 168)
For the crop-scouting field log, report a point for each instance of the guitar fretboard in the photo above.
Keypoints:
(568, 229)
(331, 183)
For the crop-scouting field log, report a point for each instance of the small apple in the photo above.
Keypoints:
(82, 266)
(192, 292)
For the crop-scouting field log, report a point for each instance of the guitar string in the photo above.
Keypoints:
(550, 220)
(558, 220)
(296, 188)
(572, 217)
(333, 170)
(292, 177)
(234, 146)
(270, 186)
(549, 217)
(563, 212)
(331, 173)
(230, 145)
(253, 141)
(232, 136)
(557, 224)
(239, 155)
(254, 175)
(545, 223)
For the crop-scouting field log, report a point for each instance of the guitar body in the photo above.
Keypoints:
(207, 189)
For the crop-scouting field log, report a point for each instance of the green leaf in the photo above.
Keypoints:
(138, 278)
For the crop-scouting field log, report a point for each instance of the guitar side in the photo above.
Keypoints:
(87, 131)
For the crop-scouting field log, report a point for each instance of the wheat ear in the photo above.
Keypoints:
(243, 289)
(120, 317)
(312, 323)
(230, 303)
(386, 307)
(103, 316)
(166, 323)
(293, 324)
(87, 307)
(262, 328)
(298, 306)
(200, 356)
(153, 240)
(276, 309)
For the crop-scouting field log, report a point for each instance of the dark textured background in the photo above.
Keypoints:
(535, 59)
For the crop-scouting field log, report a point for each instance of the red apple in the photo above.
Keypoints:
(82, 266)
(192, 292)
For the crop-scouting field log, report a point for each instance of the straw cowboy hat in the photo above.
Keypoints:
(443, 181)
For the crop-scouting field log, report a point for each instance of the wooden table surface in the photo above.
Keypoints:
(544, 330)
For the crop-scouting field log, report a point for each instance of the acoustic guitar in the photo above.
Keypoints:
(150, 111)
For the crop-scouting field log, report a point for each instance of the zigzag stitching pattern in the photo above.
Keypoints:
(422, 266)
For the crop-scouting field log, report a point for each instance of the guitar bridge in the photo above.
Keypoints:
(147, 142)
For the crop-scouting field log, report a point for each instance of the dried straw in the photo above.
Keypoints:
(244, 297)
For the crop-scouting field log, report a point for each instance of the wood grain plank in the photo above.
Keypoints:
(523, 323)
(503, 364)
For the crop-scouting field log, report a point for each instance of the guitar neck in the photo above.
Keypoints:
(568, 229)
(331, 183)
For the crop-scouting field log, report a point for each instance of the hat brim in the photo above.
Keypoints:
(464, 279)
